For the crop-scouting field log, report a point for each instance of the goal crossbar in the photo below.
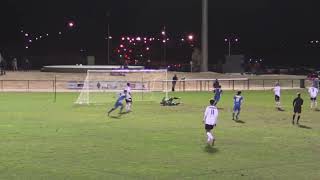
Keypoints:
(130, 71)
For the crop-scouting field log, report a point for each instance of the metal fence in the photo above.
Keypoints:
(181, 85)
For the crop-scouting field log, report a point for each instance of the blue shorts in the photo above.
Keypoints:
(118, 104)
(236, 108)
(217, 98)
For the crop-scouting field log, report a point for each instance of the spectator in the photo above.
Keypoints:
(15, 64)
(3, 65)
(216, 84)
(316, 83)
(174, 82)
(1, 59)
(27, 65)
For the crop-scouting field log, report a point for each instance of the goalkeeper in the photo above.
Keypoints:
(172, 101)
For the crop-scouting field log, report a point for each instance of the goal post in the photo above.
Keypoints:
(103, 86)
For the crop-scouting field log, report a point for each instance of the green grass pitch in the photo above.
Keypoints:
(45, 140)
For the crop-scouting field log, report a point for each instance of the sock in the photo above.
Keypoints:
(110, 110)
(232, 115)
(298, 119)
(238, 115)
(213, 138)
(311, 105)
(315, 104)
(294, 116)
(209, 137)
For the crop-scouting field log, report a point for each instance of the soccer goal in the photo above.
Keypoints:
(104, 86)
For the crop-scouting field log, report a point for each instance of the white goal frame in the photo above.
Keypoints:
(84, 97)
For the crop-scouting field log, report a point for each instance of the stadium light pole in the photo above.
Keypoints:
(108, 43)
(204, 36)
(108, 39)
(229, 40)
(164, 41)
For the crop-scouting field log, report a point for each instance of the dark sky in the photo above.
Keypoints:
(274, 29)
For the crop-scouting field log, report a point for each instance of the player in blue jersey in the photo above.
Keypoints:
(238, 99)
(118, 103)
(217, 94)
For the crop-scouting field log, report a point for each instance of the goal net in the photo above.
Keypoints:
(104, 86)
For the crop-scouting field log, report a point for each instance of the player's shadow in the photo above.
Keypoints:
(115, 117)
(318, 110)
(280, 109)
(211, 150)
(124, 113)
(304, 127)
(240, 122)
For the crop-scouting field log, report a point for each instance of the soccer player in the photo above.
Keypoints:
(313, 92)
(297, 106)
(217, 95)
(128, 88)
(118, 103)
(238, 100)
(277, 94)
(210, 120)
(128, 102)
(128, 97)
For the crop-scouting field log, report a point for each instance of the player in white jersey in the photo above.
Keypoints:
(210, 120)
(277, 95)
(313, 92)
(128, 102)
(128, 88)
(128, 98)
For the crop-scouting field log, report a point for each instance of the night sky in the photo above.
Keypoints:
(277, 31)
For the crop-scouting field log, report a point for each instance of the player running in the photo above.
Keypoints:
(277, 94)
(217, 94)
(128, 98)
(118, 103)
(238, 100)
(297, 107)
(128, 102)
(313, 92)
(210, 120)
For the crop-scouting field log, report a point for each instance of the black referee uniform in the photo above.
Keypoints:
(297, 108)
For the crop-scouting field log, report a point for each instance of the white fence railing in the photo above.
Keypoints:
(181, 85)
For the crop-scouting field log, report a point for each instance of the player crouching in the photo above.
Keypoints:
(172, 101)
(210, 120)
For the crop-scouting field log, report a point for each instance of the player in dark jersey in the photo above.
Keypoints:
(297, 107)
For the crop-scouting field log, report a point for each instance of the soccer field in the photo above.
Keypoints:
(45, 140)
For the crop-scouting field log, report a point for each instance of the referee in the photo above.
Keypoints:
(297, 107)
